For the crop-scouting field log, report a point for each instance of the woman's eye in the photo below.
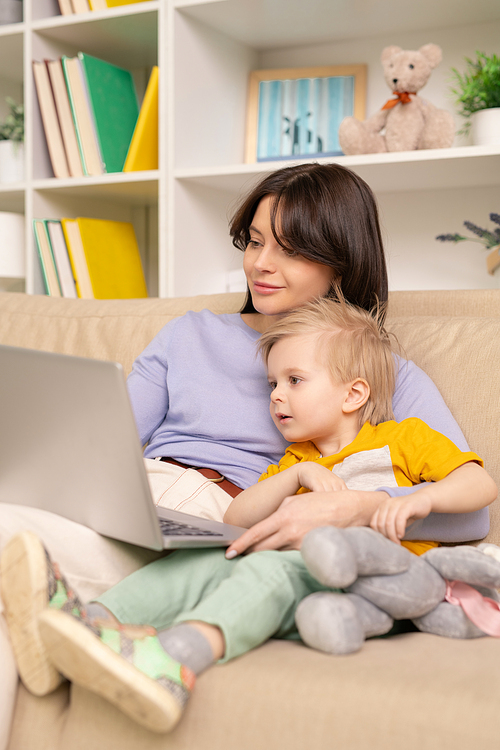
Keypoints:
(289, 252)
(253, 243)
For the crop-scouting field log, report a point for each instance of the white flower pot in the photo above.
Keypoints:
(11, 161)
(486, 127)
(11, 245)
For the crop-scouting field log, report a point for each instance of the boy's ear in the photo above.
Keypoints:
(357, 396)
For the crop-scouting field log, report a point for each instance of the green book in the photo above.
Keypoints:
(113, 101)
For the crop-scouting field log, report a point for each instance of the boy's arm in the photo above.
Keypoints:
(466, 489)
(262, 499)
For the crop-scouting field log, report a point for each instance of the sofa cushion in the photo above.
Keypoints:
(116, 330)
(462, 357)
(410, 691)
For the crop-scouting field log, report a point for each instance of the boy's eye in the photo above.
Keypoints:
(272, 384)
(294, 380)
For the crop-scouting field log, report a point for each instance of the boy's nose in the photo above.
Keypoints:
(276, 396)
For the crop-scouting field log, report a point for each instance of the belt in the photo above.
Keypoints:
(212, 474)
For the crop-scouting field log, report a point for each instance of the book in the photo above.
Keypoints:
(110, 254)
(82, 117)
(77, 258)
(60, 93)
(47, 263)
(114, 106)
(66, 7)
(50, 120)
(116, 3)
(80, 6)
(61, 258)
(98, 5)
(143, 149)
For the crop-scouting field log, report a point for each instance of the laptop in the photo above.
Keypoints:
(69, 445)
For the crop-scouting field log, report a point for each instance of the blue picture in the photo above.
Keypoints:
(301, 117)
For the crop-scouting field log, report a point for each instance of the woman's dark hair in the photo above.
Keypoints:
(328, 214)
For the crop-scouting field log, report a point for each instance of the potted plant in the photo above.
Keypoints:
(490, 240)
(478, 95)
(12, 143)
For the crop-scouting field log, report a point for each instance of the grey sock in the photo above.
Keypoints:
(94, 609)
(188, 646)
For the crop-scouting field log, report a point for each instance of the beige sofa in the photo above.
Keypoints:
(411, 691)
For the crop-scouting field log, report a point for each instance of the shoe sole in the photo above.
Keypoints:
(24, 590)
(81, 657)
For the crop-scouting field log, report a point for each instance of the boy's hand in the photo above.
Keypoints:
(317, 478)
(393, 515)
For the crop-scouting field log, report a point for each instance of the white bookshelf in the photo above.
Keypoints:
(205, 51)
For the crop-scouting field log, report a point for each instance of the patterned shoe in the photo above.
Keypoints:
(30, 582)
(125, 664)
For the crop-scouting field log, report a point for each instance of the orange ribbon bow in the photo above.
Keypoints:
(402, 96)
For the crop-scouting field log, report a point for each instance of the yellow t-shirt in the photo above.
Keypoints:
(391, 454)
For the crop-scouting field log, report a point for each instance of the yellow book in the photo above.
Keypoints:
(115, 3)
(143, 149)
(113, 259)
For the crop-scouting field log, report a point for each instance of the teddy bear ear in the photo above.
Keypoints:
(432, 53)
(388, 52)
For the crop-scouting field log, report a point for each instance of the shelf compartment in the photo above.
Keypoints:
(467, 166)
(135, 188)
(129, 37)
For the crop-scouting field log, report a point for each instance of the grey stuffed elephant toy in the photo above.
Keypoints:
(448, 591)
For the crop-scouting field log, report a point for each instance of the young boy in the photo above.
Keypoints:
(331, 371)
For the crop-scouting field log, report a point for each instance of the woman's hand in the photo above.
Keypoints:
(299, 514)
(393, 515)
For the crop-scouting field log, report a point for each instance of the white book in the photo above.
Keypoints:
(65, 7)
(61, 99)
(61, 258)
(80, 6)
(50, 120)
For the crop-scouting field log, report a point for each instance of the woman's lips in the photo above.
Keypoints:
(262, 288)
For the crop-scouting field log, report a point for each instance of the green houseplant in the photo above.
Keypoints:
(477, 91)
(490, 240)
(11, 143)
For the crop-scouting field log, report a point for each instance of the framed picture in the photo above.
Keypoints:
(296, 112)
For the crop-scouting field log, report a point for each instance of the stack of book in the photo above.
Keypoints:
(67, 7)
(91, 117)
(89, 258)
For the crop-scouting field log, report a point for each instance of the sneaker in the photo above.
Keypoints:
(124, 664)
(30, 582)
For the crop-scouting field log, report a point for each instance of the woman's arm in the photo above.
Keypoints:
(417, 396)
(297, 515)
(147, 386)
(261, 499)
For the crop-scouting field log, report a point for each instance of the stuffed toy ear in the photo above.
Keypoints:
(432, 54)
(388, 52)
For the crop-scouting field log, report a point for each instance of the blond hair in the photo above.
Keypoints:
(352, 343)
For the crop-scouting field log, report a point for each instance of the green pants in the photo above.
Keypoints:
(251, 599)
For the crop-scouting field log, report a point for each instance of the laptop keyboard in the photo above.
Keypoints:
(174, 528)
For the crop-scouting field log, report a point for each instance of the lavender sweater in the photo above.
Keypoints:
(200, 394)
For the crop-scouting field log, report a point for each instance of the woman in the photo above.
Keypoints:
(301, 228)
(200, 396)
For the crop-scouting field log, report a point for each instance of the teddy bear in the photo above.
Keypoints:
(407, 122)
(447, 591)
